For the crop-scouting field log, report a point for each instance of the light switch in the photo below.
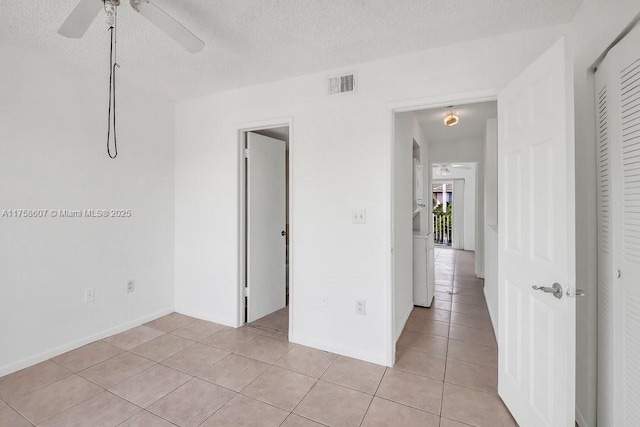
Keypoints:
(359, 216)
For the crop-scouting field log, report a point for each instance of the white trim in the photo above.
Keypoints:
(45, 355)
(443, 101)
(392, 109)
(205, 315)
(349, 351)
(580, 420)
(242, 129)
(398, 329)
(493, 316)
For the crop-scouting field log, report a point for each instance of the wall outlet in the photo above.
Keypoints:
(359, 216)
(131, 286)
(324, 301)
(361, 307)
(89, 295)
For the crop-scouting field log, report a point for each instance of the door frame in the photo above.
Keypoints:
(440, 101)
(242, 130)
(455, 226)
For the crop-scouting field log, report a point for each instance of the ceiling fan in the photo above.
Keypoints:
(444, 169)
(86, 12)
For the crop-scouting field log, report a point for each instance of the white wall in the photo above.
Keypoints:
(406, 129)
(340, 156)
(491, 220)
(594, 28)
(426, 219)
(402, 219)
(53, 156)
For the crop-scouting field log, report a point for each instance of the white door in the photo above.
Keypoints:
(618, 133)
(536, 369)
(626, 216)
(266, 226)
(609, 403)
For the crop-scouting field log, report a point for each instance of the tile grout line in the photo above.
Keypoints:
(375, 394)
(39, 388)
(446, 362)
(73, 406)
(407, 406)
(304, 397)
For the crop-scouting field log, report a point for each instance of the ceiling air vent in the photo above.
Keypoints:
(342, 84)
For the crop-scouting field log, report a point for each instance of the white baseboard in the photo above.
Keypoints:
(207, 316)
(379, 359)
(403, 321)
(580, 419)
(40, 357)
(492, 314)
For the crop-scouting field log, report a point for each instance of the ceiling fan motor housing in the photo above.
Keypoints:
(110, 11)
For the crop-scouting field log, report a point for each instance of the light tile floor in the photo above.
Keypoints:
(275, 323)
(178, 370)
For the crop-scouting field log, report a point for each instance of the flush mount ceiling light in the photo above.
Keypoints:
(443, 171)
(451, 119)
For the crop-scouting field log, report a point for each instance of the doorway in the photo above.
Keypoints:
(265, 228)
(448, 169)
(442, 201)
(457, 202)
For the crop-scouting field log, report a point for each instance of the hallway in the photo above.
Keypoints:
(453, 342)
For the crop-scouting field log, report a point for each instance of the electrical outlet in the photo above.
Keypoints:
(361, 307)
(89, 295)
(359, 216)
(324, 301)
(131, 286)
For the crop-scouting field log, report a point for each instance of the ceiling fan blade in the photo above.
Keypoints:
(80, 18)
(166, 23)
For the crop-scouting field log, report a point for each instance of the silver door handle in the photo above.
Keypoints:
(556, 289)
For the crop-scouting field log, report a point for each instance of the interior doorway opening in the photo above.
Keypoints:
(455, 168)
(442, 202)
(265, 284)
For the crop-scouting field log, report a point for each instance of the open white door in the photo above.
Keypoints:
(536, 173)
(266, 226)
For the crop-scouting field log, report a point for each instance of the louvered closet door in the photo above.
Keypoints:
(629, 260)
(606, 292)
(619, 322)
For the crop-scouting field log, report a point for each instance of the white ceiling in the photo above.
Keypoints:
(255, 41)
(473, 118)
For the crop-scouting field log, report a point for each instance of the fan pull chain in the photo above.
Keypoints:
(111, 21)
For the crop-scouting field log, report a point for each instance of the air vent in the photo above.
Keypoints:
(342, 84)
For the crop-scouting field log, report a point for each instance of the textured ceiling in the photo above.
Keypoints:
(473, 118)
(255, 41)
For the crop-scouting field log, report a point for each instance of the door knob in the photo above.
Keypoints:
(284, 233)
(556, 289)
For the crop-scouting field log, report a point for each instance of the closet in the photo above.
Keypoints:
(617, 100)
